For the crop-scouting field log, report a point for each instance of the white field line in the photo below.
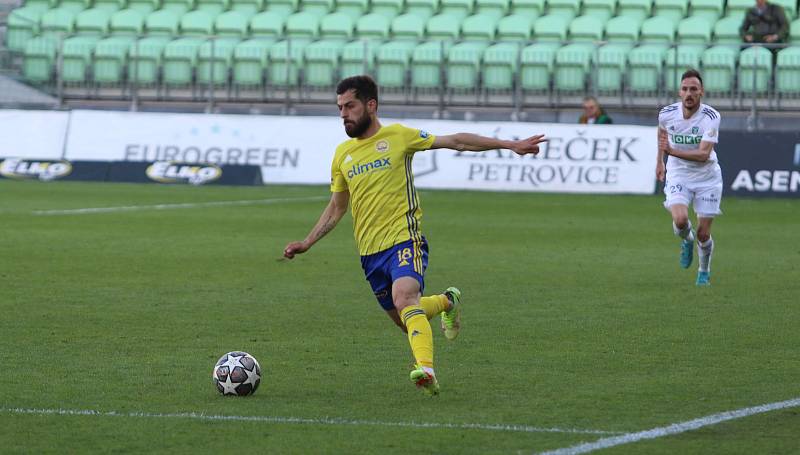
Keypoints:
(302, 420)
(675, 428)
(188, 205)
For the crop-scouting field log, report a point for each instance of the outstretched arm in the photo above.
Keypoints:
(330, 217)
(467, 142)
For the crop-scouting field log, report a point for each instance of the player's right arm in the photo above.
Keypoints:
(330, 217)
(663, 143)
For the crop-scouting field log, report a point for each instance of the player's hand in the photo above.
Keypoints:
(661, 171)
(529, 145)
(294, 248)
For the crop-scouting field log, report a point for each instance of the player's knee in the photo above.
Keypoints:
(681, 221)
(703, 234)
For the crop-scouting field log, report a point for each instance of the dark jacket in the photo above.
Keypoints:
(602, 119)
(771, 22)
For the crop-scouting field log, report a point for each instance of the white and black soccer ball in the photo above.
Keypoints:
(237, 373)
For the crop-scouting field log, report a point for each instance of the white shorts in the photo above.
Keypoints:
(704, 195)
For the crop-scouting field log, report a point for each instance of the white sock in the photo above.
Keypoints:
(704, 250)
(685, 233)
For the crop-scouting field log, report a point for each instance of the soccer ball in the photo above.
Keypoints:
(237, 373)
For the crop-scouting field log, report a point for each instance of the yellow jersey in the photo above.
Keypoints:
(383, 199)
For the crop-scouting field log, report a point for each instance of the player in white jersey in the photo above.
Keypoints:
(687, 132)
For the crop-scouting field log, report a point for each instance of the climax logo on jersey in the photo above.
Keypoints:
(358, 169)
(26, 169)
(169, 172)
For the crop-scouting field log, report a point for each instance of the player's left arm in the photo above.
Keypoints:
(468, 142)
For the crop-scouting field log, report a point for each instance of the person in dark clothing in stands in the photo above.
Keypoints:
(765, 23)
(593, 113)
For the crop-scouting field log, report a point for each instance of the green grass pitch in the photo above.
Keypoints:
(576, 317)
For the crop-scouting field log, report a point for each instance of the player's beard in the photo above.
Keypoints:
(358, 127)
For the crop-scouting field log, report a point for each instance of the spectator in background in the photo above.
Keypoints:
(593, 113)
(765, 23)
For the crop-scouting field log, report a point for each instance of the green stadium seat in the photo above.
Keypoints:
(285, 61)
(336, 26)
(110, 58)
(536, 66)
(127, 22)
(322, 62)
(422, 8)
(515, 27)
(358, 57)
(303, 25)
(214, 7)
(353, 8)
(318, 7)
(76, 6)
(197, 23)
(789, 8)
(39, 59)
(393, 60)
(738, 8)
(145, 58)
(179, 6)
(77, 57)
(551, 28)
(180, 58)
(22, 25)
(144, 6)
(267, 24)
(388, 8)
(247, 7)
(573, 64)
(93, 21)
(496, 8)
(794, 32)
(623, 29)
(41, 5)
(645, 64)
(787, 71)
(443, 27)
(408, 27)
(679, 59)
(694, 30)
(639, 9)
(373, 26)
(601, 9)
(164, 22)
(57, 22)
(215, 60)
(564, 8)
(611, 65)
(231, 24)
(755, 69)
(479, 27)
(283, 7)
(726, 31)
(500, 64)
(710, 10)
(250, 61)
(672, 9)
(658, 30)
(457, 8)
(535, 8)
(719, 66)
(585, 29)
(110, 5)
(427, 61)
(464, 65)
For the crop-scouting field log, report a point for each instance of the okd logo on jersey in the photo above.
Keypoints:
(18, 168)
(170, 172)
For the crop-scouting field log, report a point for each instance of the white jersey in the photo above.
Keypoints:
(686, 134)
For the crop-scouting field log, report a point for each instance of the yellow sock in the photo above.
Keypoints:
(420, 336)
(434, 304)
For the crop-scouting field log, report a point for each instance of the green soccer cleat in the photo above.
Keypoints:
(703, 279)
(687, 253)
(451, 319)
(424, 380)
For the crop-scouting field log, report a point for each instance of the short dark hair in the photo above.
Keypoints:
(364, 86)
(692, 73)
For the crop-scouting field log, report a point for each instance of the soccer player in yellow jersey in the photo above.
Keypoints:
(372, 171)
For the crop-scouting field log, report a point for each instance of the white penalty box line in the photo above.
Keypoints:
(301, 420)
(675, 428)
(187, 205)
